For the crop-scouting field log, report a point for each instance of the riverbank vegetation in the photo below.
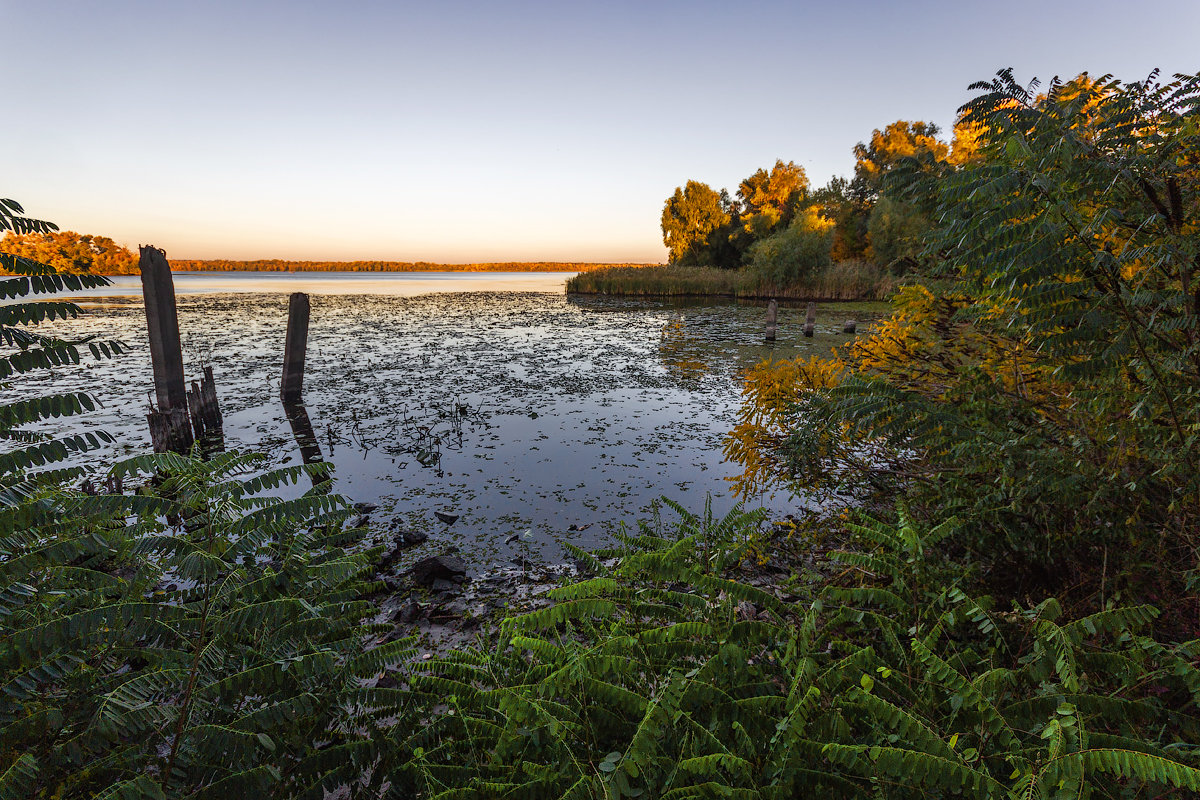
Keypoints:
(999, 599)
(777, 236)
(845, 280)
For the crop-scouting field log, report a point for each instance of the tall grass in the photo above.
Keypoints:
(846, 280)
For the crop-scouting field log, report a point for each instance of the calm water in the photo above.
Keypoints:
(523, 412)
(399, 284)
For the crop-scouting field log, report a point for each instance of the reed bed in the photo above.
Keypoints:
(846, 280)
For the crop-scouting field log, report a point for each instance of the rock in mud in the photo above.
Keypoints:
(443, 567)
(410, 612)
(403, 540)
(408, 538)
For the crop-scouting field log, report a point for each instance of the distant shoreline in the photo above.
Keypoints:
(279, 265)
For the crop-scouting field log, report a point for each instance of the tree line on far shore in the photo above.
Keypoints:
(80, 253)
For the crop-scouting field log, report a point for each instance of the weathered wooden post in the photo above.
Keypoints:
(772, 316)
(810, 320)
(206, 414)
(169, 429)
(849, 326)
(294, 346)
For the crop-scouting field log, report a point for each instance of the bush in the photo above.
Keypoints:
(795, 254)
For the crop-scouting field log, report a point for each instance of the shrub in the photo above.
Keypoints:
(795, 254)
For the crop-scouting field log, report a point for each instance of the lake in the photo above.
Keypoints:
(533, 416)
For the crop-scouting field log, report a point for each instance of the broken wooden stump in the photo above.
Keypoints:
(810, 320)
(294, 346)
(169, 428)
(772, 319)
(207, 423)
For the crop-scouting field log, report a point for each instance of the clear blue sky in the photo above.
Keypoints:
(479, 131)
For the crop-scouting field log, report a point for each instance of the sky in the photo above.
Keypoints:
(454, 131)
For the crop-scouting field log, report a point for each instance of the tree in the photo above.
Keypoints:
(71, 252)
(690, 216)
(895, 230)
(850, 217)
(899, 140)
(966, 142)
(771, 199)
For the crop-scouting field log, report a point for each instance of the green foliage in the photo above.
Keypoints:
(198, 638)
(897, 231)
(24, 349)
(702, 227)
(794, 255)
(1051, 392)
(224, 653)
(668, 676)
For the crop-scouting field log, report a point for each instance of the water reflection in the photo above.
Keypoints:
(681, 353)
(306, 439)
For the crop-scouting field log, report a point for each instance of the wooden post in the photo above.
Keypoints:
(810, 320)
(294, 346)
(772, 316)
(849, 326)
(169, 429)
(206, 414)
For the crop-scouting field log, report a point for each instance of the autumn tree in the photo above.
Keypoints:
(71, 252)
(966, 142)
(770, 199)
(849, 215)
(689, 218)
(895, 229)
(902, 139)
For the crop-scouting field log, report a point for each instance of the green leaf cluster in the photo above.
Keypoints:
(666, 676)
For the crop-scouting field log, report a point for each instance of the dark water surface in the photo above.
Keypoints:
(524, 413)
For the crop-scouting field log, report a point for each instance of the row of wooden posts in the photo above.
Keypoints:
(181, 417)
(850, 326)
